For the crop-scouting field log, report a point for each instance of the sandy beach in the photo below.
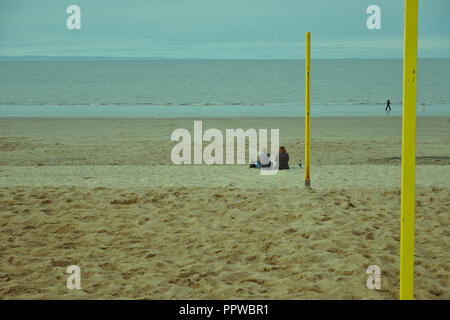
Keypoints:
(103, 194)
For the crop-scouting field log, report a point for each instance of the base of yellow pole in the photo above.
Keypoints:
(308, 184)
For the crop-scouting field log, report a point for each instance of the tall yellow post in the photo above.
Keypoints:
(307, 110)
(408, 152)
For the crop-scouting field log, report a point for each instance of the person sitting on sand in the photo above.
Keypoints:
(282, 159)
(264, 159)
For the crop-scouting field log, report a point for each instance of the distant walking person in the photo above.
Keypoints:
(388, 105)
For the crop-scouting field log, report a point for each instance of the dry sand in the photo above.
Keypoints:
(102, 194)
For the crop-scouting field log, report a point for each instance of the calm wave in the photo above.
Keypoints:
(215, 84)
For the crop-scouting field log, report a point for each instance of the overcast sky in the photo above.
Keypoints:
(220, 29)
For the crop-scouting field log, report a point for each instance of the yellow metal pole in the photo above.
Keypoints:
(307, 110)
(408, 152)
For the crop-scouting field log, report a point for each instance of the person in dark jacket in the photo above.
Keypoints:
(283, 159)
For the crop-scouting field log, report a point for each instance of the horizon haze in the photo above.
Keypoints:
(212, 29)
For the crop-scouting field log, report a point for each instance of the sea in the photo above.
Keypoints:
(217, 88)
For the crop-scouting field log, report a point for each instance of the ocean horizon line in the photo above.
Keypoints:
(108, 58)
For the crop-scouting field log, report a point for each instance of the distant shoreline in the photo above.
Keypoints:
(111, 59)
